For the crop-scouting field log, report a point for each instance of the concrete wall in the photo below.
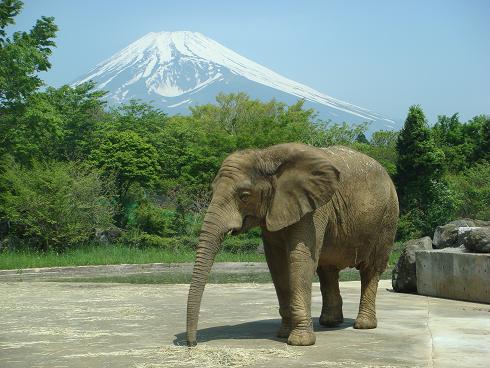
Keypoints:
(454, 273)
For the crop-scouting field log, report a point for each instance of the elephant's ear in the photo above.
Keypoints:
(304, 182)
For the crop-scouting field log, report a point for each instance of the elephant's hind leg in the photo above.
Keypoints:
(370, 273)
(331, 315)
(366, 318)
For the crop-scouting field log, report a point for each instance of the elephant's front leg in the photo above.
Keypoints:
(302, 264)
(277, 260)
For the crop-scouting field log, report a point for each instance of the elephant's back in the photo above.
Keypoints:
(360, 173)
(363, 180)
(355, 165)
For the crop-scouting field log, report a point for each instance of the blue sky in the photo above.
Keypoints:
(382, 55)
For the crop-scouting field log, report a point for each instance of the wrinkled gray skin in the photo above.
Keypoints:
(319, 209)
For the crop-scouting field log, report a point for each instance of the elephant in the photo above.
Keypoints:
(319, 209)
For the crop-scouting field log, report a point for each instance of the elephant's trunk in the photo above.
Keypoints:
(212, 233)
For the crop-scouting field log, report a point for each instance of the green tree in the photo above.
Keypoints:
(473, 189)
(81, 110)
(419, 162)
(384, 138)
(36, 132)
(136, 116)
(192, 154)
(458, 146)
(382, 147)
(256, 124)
(57, 124)
(129, 159)
(361, 138)
(463, 143)
(326, 133)
(141, 118)
(481, 124)
(424, 196)
(23, 55)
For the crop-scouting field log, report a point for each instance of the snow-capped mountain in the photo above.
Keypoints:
(176, 70)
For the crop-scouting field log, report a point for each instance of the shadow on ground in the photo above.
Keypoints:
(263, 329)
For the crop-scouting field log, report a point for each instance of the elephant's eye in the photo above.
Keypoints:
(245, 195)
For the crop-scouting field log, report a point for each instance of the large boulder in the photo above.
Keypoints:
(447, 236)
(475, 239)
(404, 276)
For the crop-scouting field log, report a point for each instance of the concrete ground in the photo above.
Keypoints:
(119, 325)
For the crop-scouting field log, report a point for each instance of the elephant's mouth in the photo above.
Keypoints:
(247, 224)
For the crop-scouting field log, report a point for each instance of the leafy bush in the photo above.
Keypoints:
(55, 206)
(128, 157)
(410, 225)
(153, 219)
(437, 207)
(180, 221)
(142, 240)
(473, 188)
(442, 204)
(195, 224)
(189, 242)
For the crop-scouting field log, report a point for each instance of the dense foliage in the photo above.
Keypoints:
(54, 204)
(419, 171)
(71, 166)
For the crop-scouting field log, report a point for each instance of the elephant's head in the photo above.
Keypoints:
(272, 188)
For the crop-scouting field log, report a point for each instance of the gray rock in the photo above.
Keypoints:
(475, 239)
(446, 236)
(481, 223)
(404, 276)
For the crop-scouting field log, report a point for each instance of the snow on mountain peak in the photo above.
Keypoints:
(173, 67)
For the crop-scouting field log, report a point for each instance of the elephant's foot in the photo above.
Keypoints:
(365, 323)
(331, 317)
(284, 330)
(301, 338)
